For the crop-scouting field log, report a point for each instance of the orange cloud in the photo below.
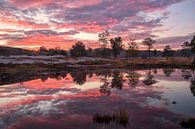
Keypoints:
(43, 40)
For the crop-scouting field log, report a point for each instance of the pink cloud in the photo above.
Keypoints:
(68, 3)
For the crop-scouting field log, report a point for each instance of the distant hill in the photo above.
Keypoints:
(6, 51)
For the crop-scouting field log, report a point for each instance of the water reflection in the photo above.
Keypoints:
(189, 74)
(117, 80)
(105, 87)
(186, 74)
(168, 71)
(120, 117)
(58, 76)
(149, 80)
(55, 100)
(133, 78)
(192, 86)
(79, 77)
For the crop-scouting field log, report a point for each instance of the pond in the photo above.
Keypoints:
(100, 99)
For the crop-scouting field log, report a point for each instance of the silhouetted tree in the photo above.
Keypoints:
(42, 50)
(192, 46)
(155, 52)
(117, 80)
(148, 42)
(132, 48)
(167, 52)
(90, 52)
(57, 51)
(103, 52)
(117, 45)
(104, 38)
(185, 47)
(78, 49)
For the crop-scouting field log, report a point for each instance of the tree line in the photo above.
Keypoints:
(112, 47)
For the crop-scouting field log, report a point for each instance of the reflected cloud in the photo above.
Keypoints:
(55, 100)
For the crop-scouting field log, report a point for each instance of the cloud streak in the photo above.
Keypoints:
(55, 22)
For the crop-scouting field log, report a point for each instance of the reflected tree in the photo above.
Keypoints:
(192, 86)
(44, 77)
(133, 78)
(155, 71)
(117, 80)
(105, 88)
(186, 74)
(104, 72)
(149, 79)
(79, 77)
(168, 71)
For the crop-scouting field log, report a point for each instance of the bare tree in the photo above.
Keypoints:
(148, 42)
(132, 48)
(104, 38)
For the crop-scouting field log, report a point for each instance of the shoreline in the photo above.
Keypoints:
(13, 73)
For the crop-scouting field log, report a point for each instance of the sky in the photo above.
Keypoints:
(30, 24)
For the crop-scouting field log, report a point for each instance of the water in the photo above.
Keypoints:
(101, 99)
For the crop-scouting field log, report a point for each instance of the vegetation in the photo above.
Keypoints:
(148, 42)
(192, 46)
(78, 50)
(120, 117)
(132, 48)
(117, 45)
(104, 38)
(50, 52)
(185, 49)
(149, 80)
(114, 47)
(167, 52)
(188, 124)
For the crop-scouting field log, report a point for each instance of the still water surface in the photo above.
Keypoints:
(132, 99)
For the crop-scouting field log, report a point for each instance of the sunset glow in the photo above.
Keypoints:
(30, 24)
